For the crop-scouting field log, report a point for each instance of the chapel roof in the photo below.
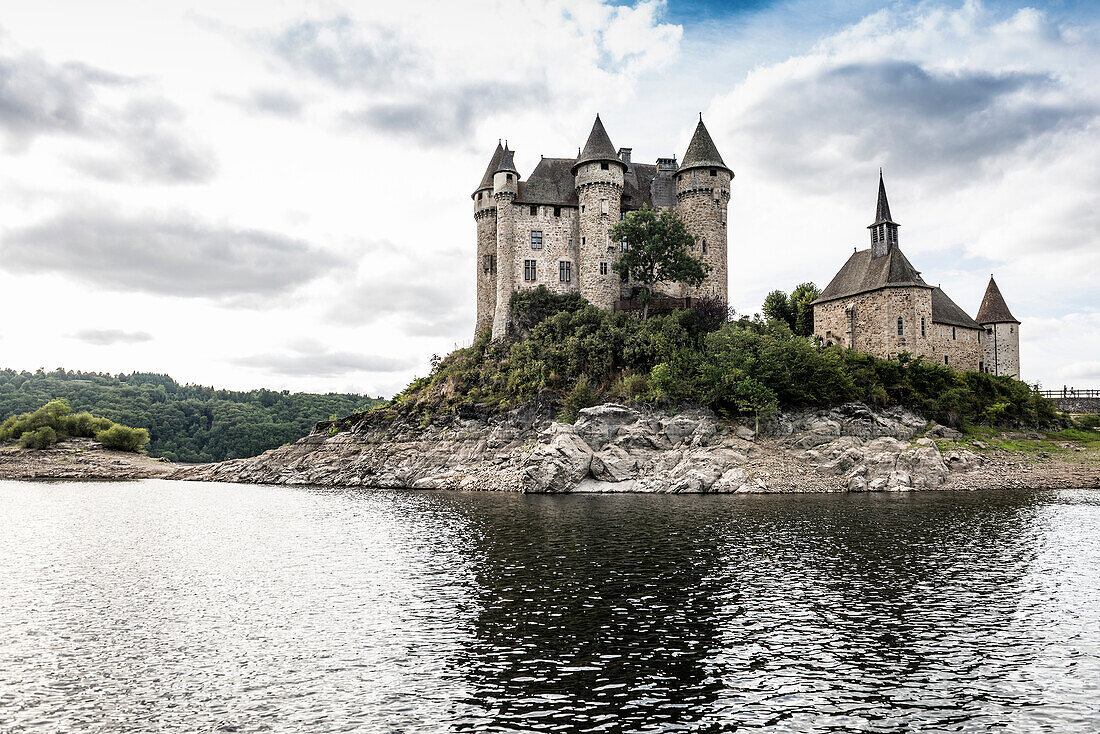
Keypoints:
(863, 273)
(882, 206)
(946, 311)
(994, 310)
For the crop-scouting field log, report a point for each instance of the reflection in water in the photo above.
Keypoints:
(190, 607)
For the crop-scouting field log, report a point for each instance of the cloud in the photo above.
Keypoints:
(268, 102)
(434, 86)
(107, 337)
(311, 358)
(143, 133)
(165, 256)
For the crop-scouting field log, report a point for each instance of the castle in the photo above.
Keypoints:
(552, 228)
(879, 304)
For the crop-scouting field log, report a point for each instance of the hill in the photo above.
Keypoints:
(190, 423)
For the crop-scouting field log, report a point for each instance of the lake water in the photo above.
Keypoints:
(166, 606)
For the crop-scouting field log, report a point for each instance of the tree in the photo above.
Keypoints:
(658, 250)
(796, 311)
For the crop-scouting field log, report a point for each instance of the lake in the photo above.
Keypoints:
(168, 606)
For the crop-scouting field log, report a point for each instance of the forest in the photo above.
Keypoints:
(190, 423)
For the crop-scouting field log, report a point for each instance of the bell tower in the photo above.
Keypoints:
(884, 230)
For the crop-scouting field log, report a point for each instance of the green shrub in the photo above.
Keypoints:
(580, 397)
(39, 438)
(123, 438)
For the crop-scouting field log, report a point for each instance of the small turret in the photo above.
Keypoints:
(506, 177)
(884, 230)
(485, 209)
(1001, 347)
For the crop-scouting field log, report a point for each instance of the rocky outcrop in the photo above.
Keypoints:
(79, 458)
(613, 448)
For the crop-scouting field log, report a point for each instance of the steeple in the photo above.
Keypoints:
(494, 162)
(598, 149)
(994, 310)
(884, 230)
(702, 152)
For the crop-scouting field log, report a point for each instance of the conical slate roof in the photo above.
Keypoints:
(507, 162)
(494, 162)
(994, 310)
(598, 148)
(702, 152)
(882, 207)
(863, 273)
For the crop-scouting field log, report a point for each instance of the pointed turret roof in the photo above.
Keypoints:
(494, 162)
(702, 152)
(882, 207)
(598, 148)
(507, 161)
(994, 310)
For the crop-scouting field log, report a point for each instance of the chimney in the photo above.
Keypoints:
(624, 156)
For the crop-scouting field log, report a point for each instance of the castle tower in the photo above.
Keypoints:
(505, 189)
(702, 200)
(884, 230)
(598, 175)
(1001, 345)
(485, 216)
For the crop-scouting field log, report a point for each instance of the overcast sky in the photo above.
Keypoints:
(278, 194)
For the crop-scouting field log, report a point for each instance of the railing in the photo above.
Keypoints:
(1070, 392)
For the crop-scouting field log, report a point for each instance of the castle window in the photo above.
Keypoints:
(604, 166)
(603, 268)
(534, 210)
(557, 211)
(953, 334)
(603, 207)
(507, 177)
(901, 327)
(945, 359)
(623, 276)
(570, 241)
(704, 244)
(622, 216)
(623, 247)
(536, 239)
(489, 263)
(582, 208)
(714, 172)
(529, 269)
(922, 327)
(981, 366)
(479, 195)
(565, 272)
(979, 338)
(583, 241)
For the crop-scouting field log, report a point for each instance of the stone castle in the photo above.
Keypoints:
(879, 304)
(552, 228)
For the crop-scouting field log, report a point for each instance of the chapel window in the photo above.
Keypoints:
(704, 244)
(953, 334)
(922, 327)
(901, 329)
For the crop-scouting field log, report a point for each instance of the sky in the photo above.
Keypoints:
(277, 194)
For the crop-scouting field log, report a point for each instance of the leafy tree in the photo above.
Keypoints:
(796, 310)
(123, 438)
(658, 250)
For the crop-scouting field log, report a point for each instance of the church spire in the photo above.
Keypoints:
(884, 230)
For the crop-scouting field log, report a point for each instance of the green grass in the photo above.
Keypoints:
(1070, 444)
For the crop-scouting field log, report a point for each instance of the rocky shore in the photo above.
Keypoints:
(620, 448)
(79, 458)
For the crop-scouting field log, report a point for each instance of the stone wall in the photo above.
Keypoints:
(702, 201)
(1002, 349)
(559, 243)
(505, 188)
(486, 221)
(876, 327)
(599, 192)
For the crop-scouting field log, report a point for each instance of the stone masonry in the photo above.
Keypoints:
(552, 228)
(879, 304)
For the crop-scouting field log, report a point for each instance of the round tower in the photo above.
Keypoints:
(485, 217)
(505, 189)
(702, 201)
(1001, 341)
(598, 175)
